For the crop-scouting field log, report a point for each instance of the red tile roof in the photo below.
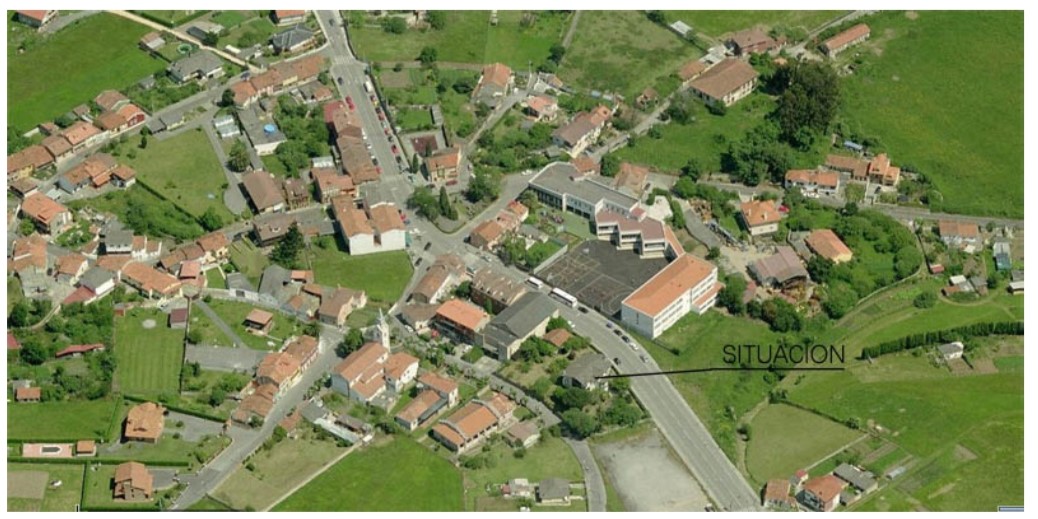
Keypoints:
(827, 244)
(463, 314)
(667, 285)
(724, 78)
(760, 212)
(847, 36)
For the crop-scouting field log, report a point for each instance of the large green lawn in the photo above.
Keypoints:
(185, 170)
(716, 23)
(73, 66)
(622, 51)
(92, 419)
(785, 439)
(149, 360)
(549, 458)
(233, 313)
(383, 275)
(913, 93)
(399, 476)
(55, 499)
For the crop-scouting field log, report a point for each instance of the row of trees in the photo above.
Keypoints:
(944, 336)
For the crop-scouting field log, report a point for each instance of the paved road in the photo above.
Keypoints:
(63, 21)
(220, 324)
(593, 482)
(232, 196)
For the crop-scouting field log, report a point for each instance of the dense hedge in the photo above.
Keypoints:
(85, 460)
(178, 409)
(943, 336)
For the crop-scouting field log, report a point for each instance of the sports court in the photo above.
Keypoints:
(599, 275)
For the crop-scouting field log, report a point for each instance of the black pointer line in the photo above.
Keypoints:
(705, 370)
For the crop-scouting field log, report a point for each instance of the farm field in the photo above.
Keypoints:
(623, 52)
(930, 124)
(382, 275)
(59, 499)
(43, 82)
(412, 478)
(549, 458)
(785, 439)
(716, 23)
(61, 420)
(149, 360)
(276, 470)
(184, 169)
(208, 504)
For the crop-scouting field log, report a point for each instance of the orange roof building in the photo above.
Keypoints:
(473, 422)
(825, 243)
(444, 386)
(687, 284)
(822, 493)
(144, 422)
(760, 216)
(132, 482)
(811, 181)
(419, 409)
(726, 82)
(845, 39)
(461, 319)
(48, 215)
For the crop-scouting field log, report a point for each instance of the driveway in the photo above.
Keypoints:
(194, 427)
(232, 197)
(221, 358)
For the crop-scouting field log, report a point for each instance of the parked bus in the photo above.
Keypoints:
(563, 296)
(535, 283)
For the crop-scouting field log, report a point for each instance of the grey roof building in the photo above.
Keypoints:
(119, 242)
(202, 28)
(859, 479)
(312, 412)
(274, 277)
(553, 490)
(262, 132)
(95, 278)
(292, 39)
(560, 185)
(200, 65)
(526, 317)
(583, 371)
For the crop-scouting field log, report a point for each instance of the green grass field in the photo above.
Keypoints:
(228, 19)
(410, 477)
(382, 275)
(233, 313)
(716, 23)
(925, 107)
(46, 82)
(622, 51)
(248, 259)
(785, 439)
(549, 458)
(411, 120)
(260, 25)
(173, 18)
(149, 360)
(55, 499)
(277, 470)
(214, 279)
(208, 504)
(185, 170)
(78, 420)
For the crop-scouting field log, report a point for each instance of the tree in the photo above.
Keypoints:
(556, 53)
(658, 17)
(144, 142)
(437, 19)
(731, 295)
(34, 352)
(20, 315)
(839, 299)
(350, 342)
(464, 85)
(809, 102)
(423, 201)
(211, 219)
(464, 289)
(925, 299)
(416, 163)
(580, 424)
(211, 39)
(713, 253)
(573, 398)
(692, 169)
(484, 186)
(394, 24)
(227, 98)
(427, 56)
(621, 413)
(194, 336)
(610, 165)
(907, 261)
(286, 252)
(446, 209)
(217, 396)
(238, 158)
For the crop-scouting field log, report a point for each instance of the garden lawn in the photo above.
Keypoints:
(214, 279)
(924, 107)
(549, 458)
(277, 470)
(233, 313)
(260, 26)
(623, 52)
(53, 421)
(414, 119)
(46, 81)
(60, 499)
(410, 478)
(208, 504)
(184, 169)
(517, 46)
(382, 275)
(172, 18)
(463, 40)
(248, 259)
(784, 439)
(149, 361)
(716, 23)
(228, 19)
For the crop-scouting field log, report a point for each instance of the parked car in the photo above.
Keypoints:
(340, 80)
(349, 101)
(618, 333)
(609, 324)
(427, 245)
(374, 160)
(395, 150)
(616, 360)
(626, 339)
(583, 309)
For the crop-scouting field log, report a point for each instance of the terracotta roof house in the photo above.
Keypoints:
(337, 305)
(132, 482)
(25, 162)
(124, 176)
(279, 369)
(82, 135)
(691, 70)
(822, 493)
(811, 181)
(460, 319)
(57, 146)
(442, 165)
(215, 245)
(400, 369)
(586, 165)
(258, 404)
(446, 272)
(558, 337)
(845, 39)
(825, 243)
(442, 385)
(760, 217)
(418, 315)
(360, 375)
(579, 133)
(751, 41)
(782, 269)
(304, 349)
(853, 165)
(79, 349)
(331, 184)
(49, 216)
(687, 284)
(70, 267)
(541, 107)
(27, 394)
(958, 234)
(263, 191)
(523, 434)
(28, 253)
(86, 448)
(423, 406)
(726, 82)
(776, 494)
(36, 19)
(150, 282)
(111, 100)
(144, 422)
(12, 342)
(486, 235)
(473, 422)
(259, 321)
(882, 172)
(288, 16)
(494, 84)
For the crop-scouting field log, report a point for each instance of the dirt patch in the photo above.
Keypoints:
(964, 454)
(392, 79)
(648, 476)
(943, 490)
(985, 366)
(911, 15)
(959, 367)
(885, 449)
(148, 324)
(29, 484)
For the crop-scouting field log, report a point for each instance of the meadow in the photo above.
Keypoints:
(382, 275)
(91, 419)
(785, 439)
(149, 361)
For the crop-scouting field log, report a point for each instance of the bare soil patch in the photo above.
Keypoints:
(30, 484)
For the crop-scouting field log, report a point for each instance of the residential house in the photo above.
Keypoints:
(442, 165)
(541, 107)
(725, 83)
(782, 269)
(215, 245)
(523, 434)
(584, 371)
(77, 350)
(27, 161)
(486, 235)
(443, 386)
(691, 70)
(297, 193)
(144, 422)
(525, 318)
(494, 84)
(448, 271)
(118, 242)
(70, 267)
(776, 495)
(470, 424)
(28, 254)
(202, 29)
(132, 482)
(811, 181)
(259, 321)
(98, 281)
(294, 39)
(853, 36)
(331, 184)
(58, 147)
(261, 130)
(27, 394)
(124, 176)
(558, 337)
(751, 41)
(360, 376)
(111, 100)
(95, 171)
(420, 409)
(418, 316)
(202, 65)
(280, 370)
(825, 243)
(36, 19)
(49, 216)
(959, 234)
(151, 282)
(760, 217)
(553, 491)
(864, 481)
(256, 405)
(338, 304)
(286, 16)
(494, 289)
(460, 320)
(376, 228)
(83, 135)
(86, 448)
(822, 494)
(400, 370)
(23, 187)
(687, 284)
(1002, 254)
(950, 351)
(263, 191)
(304, 349)
(583, 130)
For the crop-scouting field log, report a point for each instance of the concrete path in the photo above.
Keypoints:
(221, 324)
(572, 30)
(232, 196)
(593, 482)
